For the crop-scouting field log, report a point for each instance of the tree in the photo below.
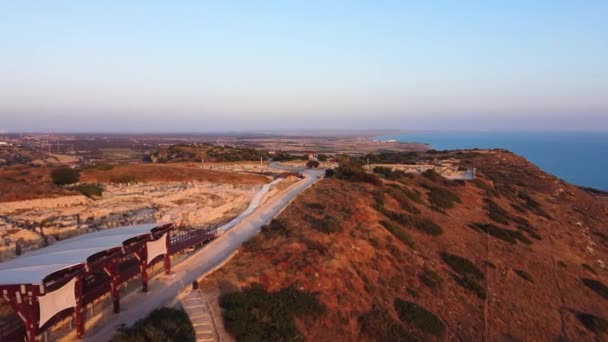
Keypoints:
(65, 175)
(312, 164)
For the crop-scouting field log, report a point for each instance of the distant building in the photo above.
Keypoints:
(4, 143)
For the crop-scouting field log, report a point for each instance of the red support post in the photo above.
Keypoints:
(79, 309)
(168, 254)
(143, 266)
(112, 270)
(31, 306)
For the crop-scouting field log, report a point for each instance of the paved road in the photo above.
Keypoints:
(164, 289)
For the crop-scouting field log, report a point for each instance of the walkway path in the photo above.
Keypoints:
(165, 288)
(201, 316)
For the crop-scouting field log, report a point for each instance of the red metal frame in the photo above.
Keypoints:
(101, 274)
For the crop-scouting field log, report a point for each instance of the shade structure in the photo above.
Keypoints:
(33, 267)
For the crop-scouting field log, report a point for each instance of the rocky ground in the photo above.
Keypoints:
(187, 204)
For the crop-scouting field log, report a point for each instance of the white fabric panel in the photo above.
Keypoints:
(157, 247)
(52, 303)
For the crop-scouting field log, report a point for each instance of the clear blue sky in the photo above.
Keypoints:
(218, 65)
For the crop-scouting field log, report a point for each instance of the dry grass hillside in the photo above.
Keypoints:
(514, 255)
(165, 173)
(25, 182)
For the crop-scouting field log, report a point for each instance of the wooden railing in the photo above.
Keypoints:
(13, 330)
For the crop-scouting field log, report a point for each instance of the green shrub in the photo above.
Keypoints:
(327, 224)
(312, 164)
(593, 323)
(381, 170)
(104, 167)
(315, 205)
(123, 179)
(432, 175)
(398, 232)
(524, 225)
(589, 268)
(65, 176)
(427, 226)
(414, 196)
(507, 235)
(496, 212)
(379, 198)
(597, 287)
(468, 275)
(462, 266)
(524, 275)
(164, 324)
(532, 205)
(380, 326)
(402, 219)
(89, 190)
(431, 279)
(470, 284)
(275, 228)
(419, 317)
(257, 315)
(442, 198)
(403, 200)
(489, 189)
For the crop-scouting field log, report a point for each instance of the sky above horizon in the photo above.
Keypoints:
(158, 66)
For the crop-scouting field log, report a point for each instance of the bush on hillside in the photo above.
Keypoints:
(507, 235)
(381, 170)
(380, 326)
(255, 314)
(597, 287)
(398, 232)
(427, 226)
(419, 317)
(312, 164)
(164, 324)
(593, 323)
(589, 268)
(442, 198)
(89, 190)
(524, 275)
(122, 179)
(468, 275)
(462, 265)
(496, 212)
(65, 176)
(275, 228)
(431, 279)
(402, 199)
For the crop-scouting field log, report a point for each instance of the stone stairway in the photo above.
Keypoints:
(201, 317)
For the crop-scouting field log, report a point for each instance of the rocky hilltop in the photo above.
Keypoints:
(516, 254)
(207, 152)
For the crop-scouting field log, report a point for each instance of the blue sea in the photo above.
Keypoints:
(580, 158)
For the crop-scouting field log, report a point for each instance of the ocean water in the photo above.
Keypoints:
(580, 158)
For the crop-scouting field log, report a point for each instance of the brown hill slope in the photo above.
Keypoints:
(516, 254)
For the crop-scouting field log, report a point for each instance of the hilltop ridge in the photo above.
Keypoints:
(516, 254)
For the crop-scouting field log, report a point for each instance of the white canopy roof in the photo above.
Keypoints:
(33, 267)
